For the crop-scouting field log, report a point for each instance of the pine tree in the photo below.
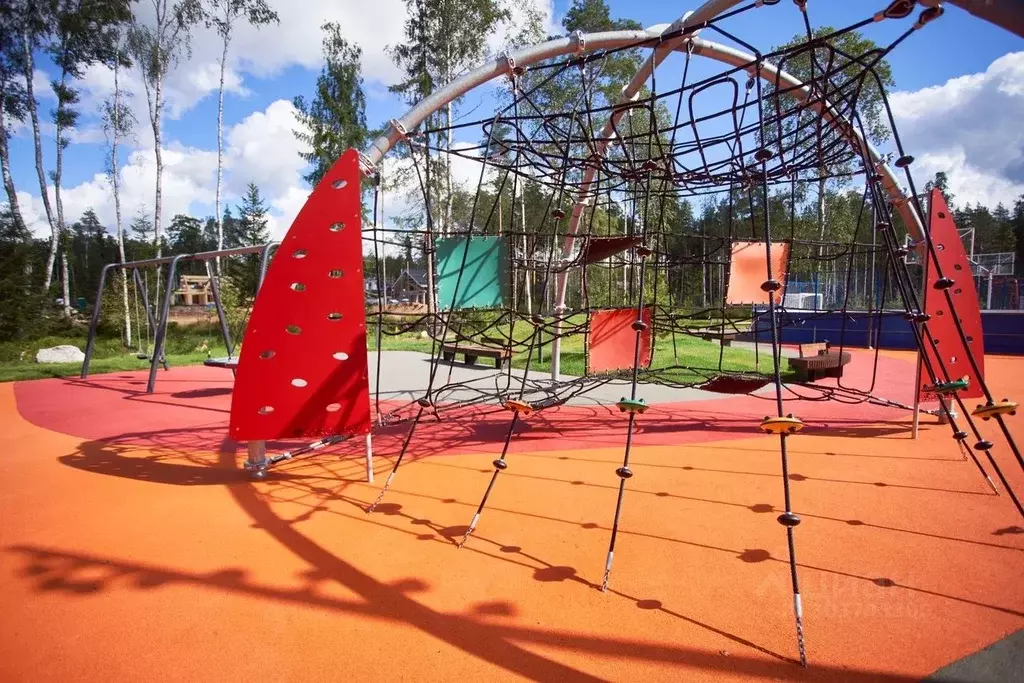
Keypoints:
(336, 118)
(442, 39)
(249, 230)
(22, 300)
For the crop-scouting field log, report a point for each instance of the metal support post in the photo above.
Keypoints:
(257, 463)
(95, 321)
(161, 327)
(221, 315)
(369, 458)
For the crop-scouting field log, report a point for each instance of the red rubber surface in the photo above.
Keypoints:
(302, 371)
(951, 362)
(133, 548)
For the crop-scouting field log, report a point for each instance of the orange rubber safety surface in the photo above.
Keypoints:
(132, 548)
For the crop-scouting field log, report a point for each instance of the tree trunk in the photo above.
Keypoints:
(155, 119)
(5, 168)
(116, 184)
(33, 110)
(527, 271)
(220, 149)
(155, 116)
(449, 198)
(57, 175)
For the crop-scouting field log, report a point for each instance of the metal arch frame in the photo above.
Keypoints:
(581, 42)
(683, 34)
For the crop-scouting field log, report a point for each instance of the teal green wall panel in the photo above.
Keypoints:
(484, 267)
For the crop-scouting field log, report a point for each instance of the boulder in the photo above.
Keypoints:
(65, 353)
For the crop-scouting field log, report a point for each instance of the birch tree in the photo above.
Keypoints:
(157, 47)
(12, 106)
(443, 38)
(83, 33)
(32, 29)
(118, 123)
(222, 15)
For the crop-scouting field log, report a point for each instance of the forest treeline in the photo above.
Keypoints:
(44, 278)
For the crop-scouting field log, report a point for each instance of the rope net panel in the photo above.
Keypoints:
(630, 225)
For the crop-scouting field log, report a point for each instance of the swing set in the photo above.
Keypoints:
(157, 316)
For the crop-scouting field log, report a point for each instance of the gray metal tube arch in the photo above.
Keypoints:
(1008, 14)
(1005, 13)
(577, 42)
(769, 73)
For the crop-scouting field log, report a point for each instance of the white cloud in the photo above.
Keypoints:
(260, 148)
(969, 127)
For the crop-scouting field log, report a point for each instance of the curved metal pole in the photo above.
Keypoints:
(1005, 13)
(578, 42)
(1008, 14)
(801, 92)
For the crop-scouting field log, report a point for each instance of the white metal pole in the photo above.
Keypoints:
(369, 458)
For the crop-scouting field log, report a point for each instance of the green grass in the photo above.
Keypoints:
(691, 361)
(18, 359)
(192, 345)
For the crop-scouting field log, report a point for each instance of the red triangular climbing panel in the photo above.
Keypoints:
(302, 370)
(955, 265)
(599, 248)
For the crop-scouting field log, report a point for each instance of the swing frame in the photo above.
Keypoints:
(159, 322)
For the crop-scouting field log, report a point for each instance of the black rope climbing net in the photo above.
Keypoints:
(594, 196)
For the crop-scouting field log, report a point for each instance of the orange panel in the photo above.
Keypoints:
(955, 265)
(748, 270)
(303, 368)
(612, 340)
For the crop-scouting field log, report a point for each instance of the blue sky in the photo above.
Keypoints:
(960, 99)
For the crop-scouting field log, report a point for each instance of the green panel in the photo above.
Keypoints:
(484, 268)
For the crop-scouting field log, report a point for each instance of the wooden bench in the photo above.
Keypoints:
(726, 336)
(472, 352)
(819, 360)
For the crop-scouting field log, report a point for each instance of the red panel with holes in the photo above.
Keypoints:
(302, 370)
(612, 340)
(954, 264)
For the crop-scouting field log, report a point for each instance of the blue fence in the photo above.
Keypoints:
(1003, 330)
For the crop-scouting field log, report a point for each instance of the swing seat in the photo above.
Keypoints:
(230, 363)
(142, 356)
